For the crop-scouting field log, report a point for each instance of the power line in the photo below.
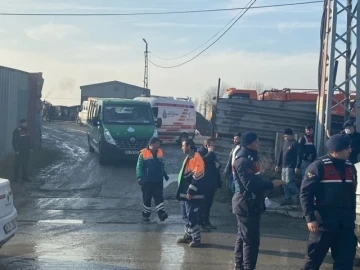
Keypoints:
(174, 58)
(157, 13)
(216, 40)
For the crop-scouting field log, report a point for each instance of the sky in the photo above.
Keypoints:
(278, 47)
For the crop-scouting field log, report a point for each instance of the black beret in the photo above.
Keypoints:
(288, 131)
(338, 143)
(247, 138)
(348, 123)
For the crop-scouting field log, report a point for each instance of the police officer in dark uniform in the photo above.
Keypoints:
(328, 200)
(22, 146)
(248, 201)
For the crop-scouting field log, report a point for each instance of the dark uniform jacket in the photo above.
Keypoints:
(354, 145)
(307, 149)
(150, 166)
(250, 200)
(328, 194)
(212, 174)
(289, 155)
(21, 140)
(191, 178)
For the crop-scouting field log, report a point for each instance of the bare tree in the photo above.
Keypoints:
(258, 86)
(211, 92)
(196, 103)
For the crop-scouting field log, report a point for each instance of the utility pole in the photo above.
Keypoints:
(146, 72)
(337, 52)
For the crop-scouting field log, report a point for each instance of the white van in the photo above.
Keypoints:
(178, 117)
(83, 113)
(8, 213)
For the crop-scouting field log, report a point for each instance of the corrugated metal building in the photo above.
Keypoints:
(20, 94)
(266, 118)
(112, 89)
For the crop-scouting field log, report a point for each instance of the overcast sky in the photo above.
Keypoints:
(276, 46)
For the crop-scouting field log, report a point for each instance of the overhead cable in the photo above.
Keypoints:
(252, 2)
(157, 13)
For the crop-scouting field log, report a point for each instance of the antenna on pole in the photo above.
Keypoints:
(146, 72)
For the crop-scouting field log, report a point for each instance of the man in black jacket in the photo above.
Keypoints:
(328, 200)
(290, 162)
(22, 146)
(212, 182)
(248, 201)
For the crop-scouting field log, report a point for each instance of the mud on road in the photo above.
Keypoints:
(77, 214)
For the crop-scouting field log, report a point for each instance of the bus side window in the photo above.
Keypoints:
(155, 111)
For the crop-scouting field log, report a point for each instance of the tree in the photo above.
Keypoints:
(196, 104)
(208, 98)
(258, 86)
(211, 92)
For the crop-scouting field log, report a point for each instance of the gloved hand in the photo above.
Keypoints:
(140, 182)
(166, 177)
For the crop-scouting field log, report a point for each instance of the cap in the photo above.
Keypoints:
(309, 127)
(288, 131)
(348, 123)
(247, 138)
(338, 143)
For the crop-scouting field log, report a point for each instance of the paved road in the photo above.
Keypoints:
(78, 215)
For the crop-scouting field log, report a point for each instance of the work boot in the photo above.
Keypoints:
(194, 244)
(164, 216)
(146, 218)
(204, 228)
(184, 240)
(210, 226)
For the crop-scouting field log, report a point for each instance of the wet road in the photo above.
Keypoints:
(78, 215)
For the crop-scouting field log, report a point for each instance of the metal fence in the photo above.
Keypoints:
(18, 98)
(266, 118)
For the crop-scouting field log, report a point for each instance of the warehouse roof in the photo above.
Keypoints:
(110, 82)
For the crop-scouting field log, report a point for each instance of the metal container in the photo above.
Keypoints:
(14, 98)
(34, 108)
(20, 94)
(265, 118)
